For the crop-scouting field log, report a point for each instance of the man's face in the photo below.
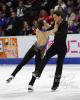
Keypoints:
(57, 19)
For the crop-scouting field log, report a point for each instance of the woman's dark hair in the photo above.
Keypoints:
(40, 23)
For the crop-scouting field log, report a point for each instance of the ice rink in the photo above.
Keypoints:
(69, 88)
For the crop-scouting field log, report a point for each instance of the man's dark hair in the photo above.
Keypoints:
(59, 13)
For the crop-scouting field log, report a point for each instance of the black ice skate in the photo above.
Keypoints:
(30, 88)
(55, 86)
(9, 79)
(36, 74)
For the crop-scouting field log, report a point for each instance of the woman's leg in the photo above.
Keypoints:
(26, 58)
(37, 62)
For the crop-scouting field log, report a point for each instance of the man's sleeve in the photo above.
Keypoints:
(50, 28)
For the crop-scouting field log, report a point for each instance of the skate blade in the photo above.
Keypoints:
(30, 91)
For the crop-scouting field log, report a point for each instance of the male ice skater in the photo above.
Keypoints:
(58, 47)
(37, 49)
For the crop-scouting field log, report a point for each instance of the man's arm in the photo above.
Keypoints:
(53, 31)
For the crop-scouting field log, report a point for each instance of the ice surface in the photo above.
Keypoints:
(69, 88)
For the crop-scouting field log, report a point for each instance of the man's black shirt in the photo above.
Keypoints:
(61, 35)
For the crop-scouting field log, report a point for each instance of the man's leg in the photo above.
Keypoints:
(58, 72)
(51, 52)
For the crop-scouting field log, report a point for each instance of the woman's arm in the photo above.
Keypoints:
(50, 32)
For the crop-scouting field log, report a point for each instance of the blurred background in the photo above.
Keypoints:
(19, 17)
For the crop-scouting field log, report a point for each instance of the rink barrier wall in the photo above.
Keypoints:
(13, 49)
(32, 61)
